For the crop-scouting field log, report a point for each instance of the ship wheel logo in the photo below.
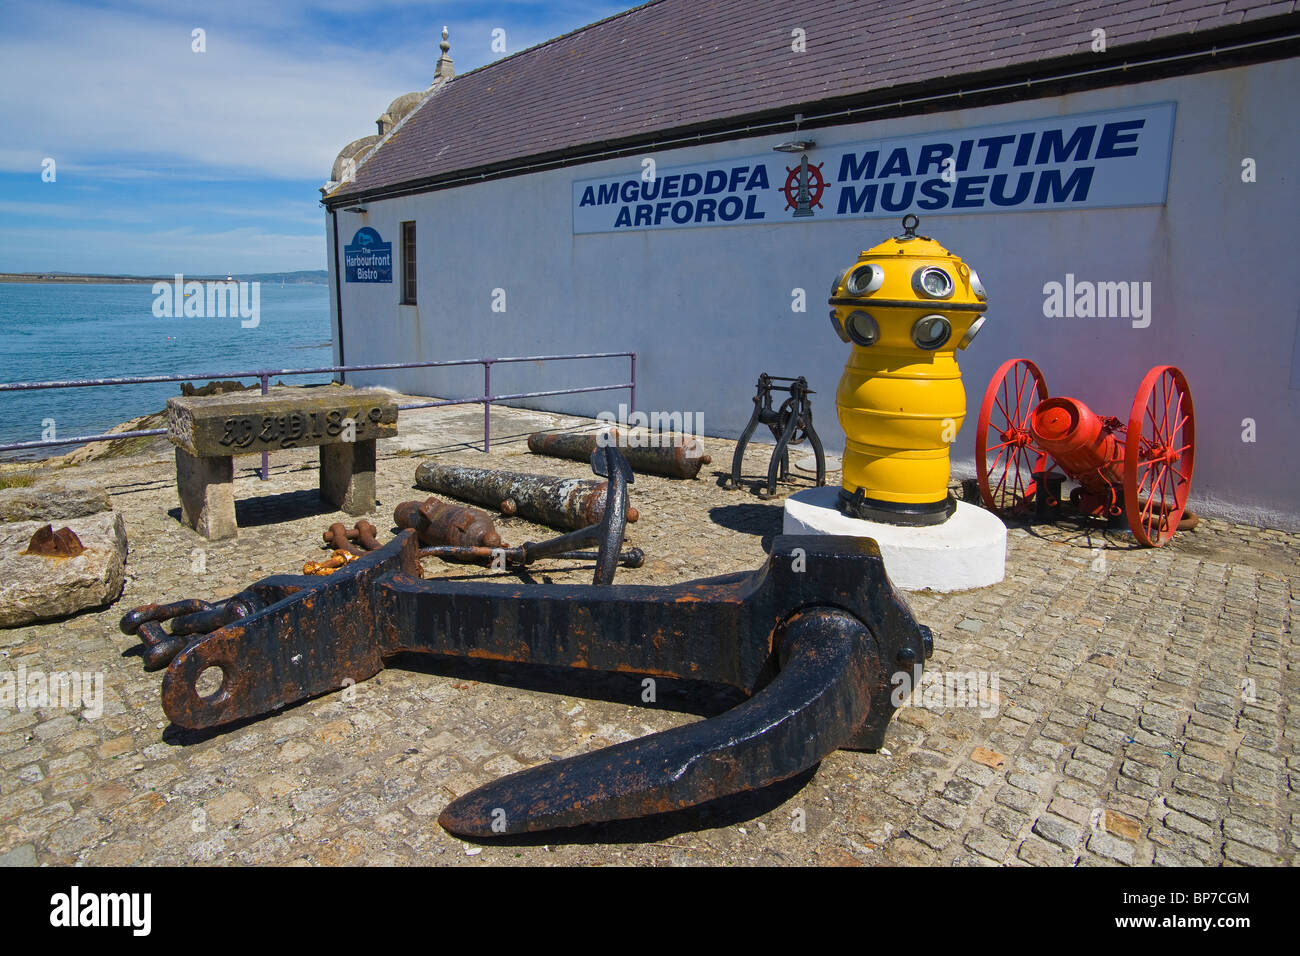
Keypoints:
(804, 187)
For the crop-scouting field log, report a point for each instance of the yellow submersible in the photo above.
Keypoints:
(906, 306)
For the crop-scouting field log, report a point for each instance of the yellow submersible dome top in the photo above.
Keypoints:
(905, 306)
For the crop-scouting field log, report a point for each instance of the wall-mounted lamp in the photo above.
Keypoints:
(356, 209)
(795, 146)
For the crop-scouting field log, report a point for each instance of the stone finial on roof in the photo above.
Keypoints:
(444, 69)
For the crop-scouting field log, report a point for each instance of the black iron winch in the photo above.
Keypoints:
(790, 423)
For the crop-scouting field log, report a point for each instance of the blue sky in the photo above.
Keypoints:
(168, 160)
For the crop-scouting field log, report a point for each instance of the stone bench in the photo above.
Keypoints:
(208, 431)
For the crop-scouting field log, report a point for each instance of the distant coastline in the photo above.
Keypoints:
(312, 277)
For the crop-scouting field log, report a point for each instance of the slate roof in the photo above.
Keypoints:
(686, 65)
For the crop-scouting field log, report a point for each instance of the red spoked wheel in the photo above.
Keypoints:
(1158, 455)
(1005, 454)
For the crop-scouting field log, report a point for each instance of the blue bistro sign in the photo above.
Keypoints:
(368, 258)
(1081, 161)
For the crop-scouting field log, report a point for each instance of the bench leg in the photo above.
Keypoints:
(207, 492)
(347, 476)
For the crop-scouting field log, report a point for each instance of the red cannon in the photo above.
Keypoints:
(1141, 470)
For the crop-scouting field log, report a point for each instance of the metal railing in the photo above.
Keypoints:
(264, 376)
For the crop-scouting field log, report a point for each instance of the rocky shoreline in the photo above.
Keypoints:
(14, 468)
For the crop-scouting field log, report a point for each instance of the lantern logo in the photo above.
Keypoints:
(803, 188)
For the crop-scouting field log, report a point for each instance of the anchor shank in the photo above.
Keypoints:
(718, 631)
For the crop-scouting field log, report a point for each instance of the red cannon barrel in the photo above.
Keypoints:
(1082, 443)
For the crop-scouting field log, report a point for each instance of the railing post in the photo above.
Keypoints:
(487, 405)
(266, 458)
(631, 398)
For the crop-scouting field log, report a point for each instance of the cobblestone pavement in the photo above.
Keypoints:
(1146, 708)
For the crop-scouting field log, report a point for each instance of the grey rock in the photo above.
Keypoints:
(52, 500)
(24, 855)
(34, 588)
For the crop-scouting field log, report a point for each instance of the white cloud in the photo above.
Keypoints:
(282, 212)
(132, 117)
(249, 249)
(103, 87)
(275, 94)
(48, 210)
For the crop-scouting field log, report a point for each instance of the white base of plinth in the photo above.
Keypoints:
(969, 550)
(808, 463)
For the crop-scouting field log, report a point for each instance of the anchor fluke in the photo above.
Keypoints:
(820, 696)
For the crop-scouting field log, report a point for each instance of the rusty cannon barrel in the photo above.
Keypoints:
(681, 459)
(566, 503)
(439, 522)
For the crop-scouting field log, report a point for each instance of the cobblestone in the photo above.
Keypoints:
(1148, 713)
(1256, 836)
(1006, 821)
(1140, 771)
(1089, 773)
(1248, 855)
(1103, 844)
(987, 844)
(1059, 831)
(1041, 853)
(1206, 811)
(943, 812)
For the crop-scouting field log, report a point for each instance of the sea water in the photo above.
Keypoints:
(60, 331)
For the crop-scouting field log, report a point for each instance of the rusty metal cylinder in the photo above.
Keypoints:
(565, 503)
(1080, 441)
(683, 458)
(437, 522)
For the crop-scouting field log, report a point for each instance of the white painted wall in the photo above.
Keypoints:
(708, 309)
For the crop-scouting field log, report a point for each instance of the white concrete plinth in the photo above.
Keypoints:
(969, 550)
(809, 464)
